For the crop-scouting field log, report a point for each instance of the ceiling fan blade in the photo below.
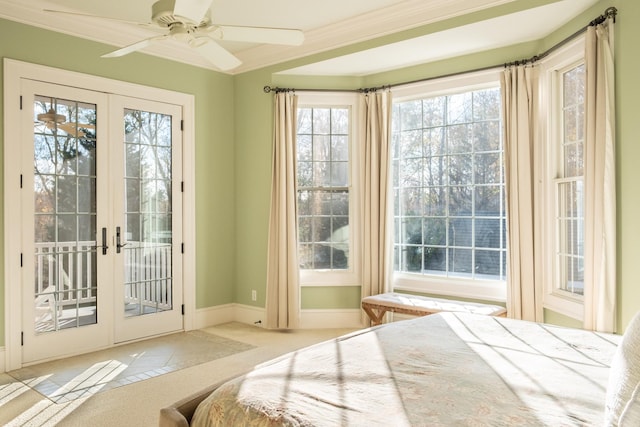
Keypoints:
(133, 47)
(71, 129)
(285, 36)
(194, 10)
(214, 53)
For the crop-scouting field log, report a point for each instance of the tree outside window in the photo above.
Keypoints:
(449, 205)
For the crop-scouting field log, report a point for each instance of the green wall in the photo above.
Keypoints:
(628, 156)
(214, 133)
(234, 133)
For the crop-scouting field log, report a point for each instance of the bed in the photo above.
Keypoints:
(446, 369)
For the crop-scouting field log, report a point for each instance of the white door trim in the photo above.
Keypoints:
(14, 71)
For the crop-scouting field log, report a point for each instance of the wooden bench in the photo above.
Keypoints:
(377, 305)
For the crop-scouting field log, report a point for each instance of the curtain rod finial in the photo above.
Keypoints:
(266, 89)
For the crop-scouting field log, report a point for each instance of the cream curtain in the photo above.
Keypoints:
(374, 153)
(519, 86)
(599, 176)
(283, 292)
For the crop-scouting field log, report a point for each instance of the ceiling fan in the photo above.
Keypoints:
(53, 121)
(189, 21)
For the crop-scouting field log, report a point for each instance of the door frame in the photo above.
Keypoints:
(14, 71)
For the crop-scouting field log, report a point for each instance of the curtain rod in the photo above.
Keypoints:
(610, 12)
(276, 89)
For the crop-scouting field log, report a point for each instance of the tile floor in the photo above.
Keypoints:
(82, 376)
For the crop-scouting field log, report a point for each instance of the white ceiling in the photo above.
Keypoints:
(327, 25)
(529, 25)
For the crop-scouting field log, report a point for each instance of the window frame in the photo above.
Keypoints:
(488, 290)
(553, 68)
(350, 276)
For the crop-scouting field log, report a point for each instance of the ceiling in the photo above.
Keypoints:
(327, 25)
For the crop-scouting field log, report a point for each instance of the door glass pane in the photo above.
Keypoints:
(65, 214)
(147, 234)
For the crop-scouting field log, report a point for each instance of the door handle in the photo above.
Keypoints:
(104, 241)
(119, 244)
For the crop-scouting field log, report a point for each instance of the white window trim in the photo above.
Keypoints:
(448, 85)
(488, 290)
(449, 286)
(350, 277)
(565, 58)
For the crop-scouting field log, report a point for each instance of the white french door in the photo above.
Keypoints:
(147, 216)
(101, 220)
(63, 205)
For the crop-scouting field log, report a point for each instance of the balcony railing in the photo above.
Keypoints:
(147, 278)
(66, 279)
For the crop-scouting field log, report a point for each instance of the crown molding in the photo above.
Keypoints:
(403, 16)
(410, 14)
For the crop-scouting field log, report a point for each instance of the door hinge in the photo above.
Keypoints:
(20, 180)
(20, 259)
(182, 248)
(182, 186)
(183, 309)
(21, 102)
(21, 338)
(181, 125)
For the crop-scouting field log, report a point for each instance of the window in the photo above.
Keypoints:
(449, 193)
(325, 189)
(569, 185)
(563, 219)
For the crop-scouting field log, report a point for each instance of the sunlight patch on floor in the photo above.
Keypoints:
(45, 413)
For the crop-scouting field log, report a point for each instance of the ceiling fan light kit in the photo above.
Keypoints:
(55, 121)
(51, 117)
(163, 13)
(189, 22)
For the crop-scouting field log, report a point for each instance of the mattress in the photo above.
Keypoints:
(439, 370)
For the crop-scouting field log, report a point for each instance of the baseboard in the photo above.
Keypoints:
(331, 318)
(251, 315)
(218, 314)
(396, 317)
(214, 315)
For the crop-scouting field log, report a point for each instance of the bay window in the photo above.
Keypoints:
(449, 192)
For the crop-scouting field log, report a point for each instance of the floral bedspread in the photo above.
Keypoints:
(447, 369)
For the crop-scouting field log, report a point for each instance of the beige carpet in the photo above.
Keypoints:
(139, 403)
